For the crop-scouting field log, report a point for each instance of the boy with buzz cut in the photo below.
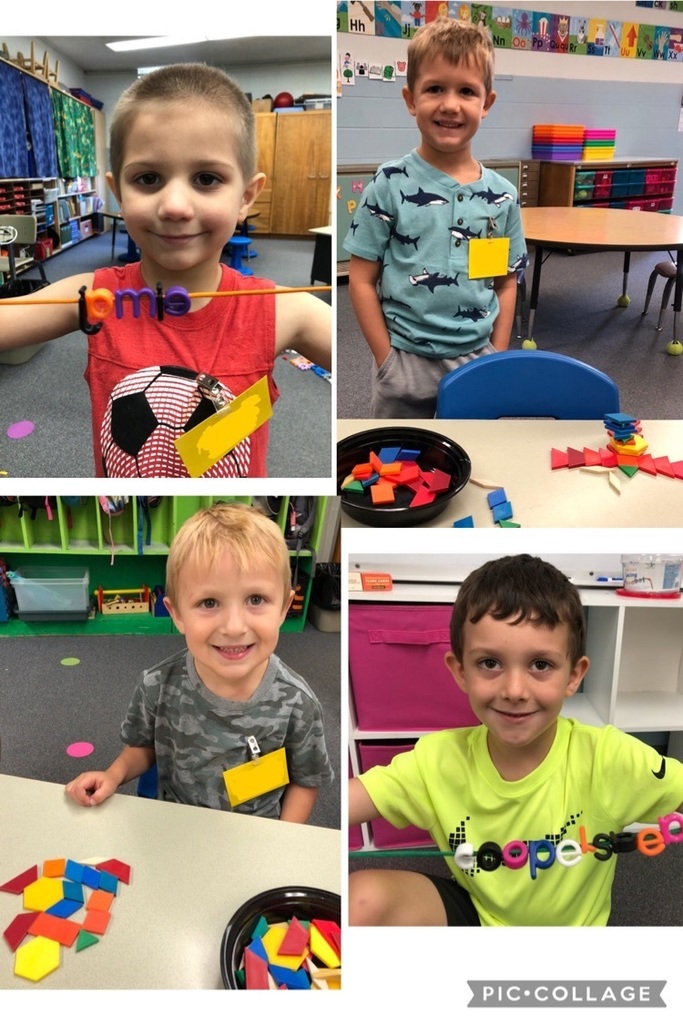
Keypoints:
(184, 173)
(426, 295)
(528, 807)
(198, 713)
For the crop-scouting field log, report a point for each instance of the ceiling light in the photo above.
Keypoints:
(155, 41)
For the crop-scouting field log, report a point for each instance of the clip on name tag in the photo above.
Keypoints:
(488, 257)
(258, 776)
(202, 447)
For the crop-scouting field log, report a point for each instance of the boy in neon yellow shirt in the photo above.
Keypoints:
(529, 807)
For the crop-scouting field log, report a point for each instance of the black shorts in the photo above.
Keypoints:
(460, 910)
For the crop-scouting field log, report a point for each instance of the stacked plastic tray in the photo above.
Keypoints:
(557, 142)
(599, 143)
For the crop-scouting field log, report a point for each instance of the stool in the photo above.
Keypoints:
(666, 269)
(238, 245)
(244, 229)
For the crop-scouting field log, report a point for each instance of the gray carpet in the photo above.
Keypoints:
(50, 391)
(45, 706)
(647, 891)
(577, 316)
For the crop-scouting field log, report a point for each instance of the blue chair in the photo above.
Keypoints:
(526, 383)
(237, 247)
(147, 783)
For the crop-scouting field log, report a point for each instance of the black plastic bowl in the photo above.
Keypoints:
(438, 452)
(275, 905)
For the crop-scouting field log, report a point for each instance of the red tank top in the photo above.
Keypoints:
(231, 338)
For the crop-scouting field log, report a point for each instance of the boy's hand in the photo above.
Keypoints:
(91, 788)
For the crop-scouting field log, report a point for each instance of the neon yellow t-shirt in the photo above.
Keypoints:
(552, 837)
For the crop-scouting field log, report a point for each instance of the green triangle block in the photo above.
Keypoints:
(508, 523)
(260, 928)
(629, 470)
(355, 486)
(84, 940)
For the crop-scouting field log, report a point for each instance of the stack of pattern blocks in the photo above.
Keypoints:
(392, 468)
(626, 451)
(292, 955)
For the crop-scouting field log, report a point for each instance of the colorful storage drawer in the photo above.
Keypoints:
(583, 192)
(397, 672)
(602, 191)
(384, 834)
(603, 177)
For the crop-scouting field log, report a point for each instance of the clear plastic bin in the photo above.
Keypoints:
(52, 592)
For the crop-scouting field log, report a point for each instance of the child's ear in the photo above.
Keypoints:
(251, 193)
(173, 612)
(488, 103)
(287, 604)
(456, 670)
(409, 100)
(576, 675)
(113, 186)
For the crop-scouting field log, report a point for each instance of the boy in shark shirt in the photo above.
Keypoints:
(421, 313)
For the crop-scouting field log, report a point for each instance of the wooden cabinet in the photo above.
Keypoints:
(623, 184)
(400, 690)
(266, 125)
(295, 153)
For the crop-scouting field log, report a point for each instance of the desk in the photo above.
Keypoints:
(192, 868)
(322, 255)
(590, 229)
(516, 455)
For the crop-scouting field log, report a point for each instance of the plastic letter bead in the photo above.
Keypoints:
(177, 301)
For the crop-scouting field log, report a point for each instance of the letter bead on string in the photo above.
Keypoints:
(98, 303)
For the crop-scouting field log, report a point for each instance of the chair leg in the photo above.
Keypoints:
(665, 300)
(650, 288)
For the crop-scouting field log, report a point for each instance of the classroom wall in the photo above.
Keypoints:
(640, 98)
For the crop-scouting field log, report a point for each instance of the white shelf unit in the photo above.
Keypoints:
(635, 680)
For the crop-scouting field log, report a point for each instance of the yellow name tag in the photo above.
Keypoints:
(202, 447)
(265, 773)
(488, 257)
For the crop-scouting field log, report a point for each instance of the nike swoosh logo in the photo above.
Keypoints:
(662, 770)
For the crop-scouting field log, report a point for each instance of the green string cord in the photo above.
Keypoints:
(400, 853)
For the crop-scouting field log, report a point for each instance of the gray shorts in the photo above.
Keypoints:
(406, 385)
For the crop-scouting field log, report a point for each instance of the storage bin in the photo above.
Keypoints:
(602, 191)
(583, 192)
(396, 664)
(584, 178)
(384, 834)
(52, 593)
(355, 834)
(603, 177)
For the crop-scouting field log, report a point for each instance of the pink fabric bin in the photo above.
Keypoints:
(383, 834)
(397, 672)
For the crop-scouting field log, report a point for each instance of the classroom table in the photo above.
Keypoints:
(515, 454)
(191, 869)
(586, 229)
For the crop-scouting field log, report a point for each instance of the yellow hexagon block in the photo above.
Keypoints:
(43, 894)
(36, 959)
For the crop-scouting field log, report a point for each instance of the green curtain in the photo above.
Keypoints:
(75, 136)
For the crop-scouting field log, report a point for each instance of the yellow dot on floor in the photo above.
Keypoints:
(70, 661)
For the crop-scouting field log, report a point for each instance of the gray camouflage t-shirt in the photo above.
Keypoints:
(196, 735)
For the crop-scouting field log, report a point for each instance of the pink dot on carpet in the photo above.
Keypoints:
(20, 429)
(79, 749)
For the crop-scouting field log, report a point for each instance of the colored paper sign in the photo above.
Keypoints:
(488, 257)
(202, 447)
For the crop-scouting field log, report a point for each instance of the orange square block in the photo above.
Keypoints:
(382, 493)
(100, 900)
(389, 468)
(362, 471)
(96, 922)
(54, 868)
(57, 928)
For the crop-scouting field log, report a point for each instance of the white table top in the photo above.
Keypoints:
(191, 870)
(515, 455)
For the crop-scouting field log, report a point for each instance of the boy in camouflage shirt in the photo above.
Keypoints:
(228, 589)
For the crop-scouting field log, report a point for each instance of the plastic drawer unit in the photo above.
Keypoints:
(398, 676)
(52, 593)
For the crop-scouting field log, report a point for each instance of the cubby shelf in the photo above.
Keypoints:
(111, 548)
